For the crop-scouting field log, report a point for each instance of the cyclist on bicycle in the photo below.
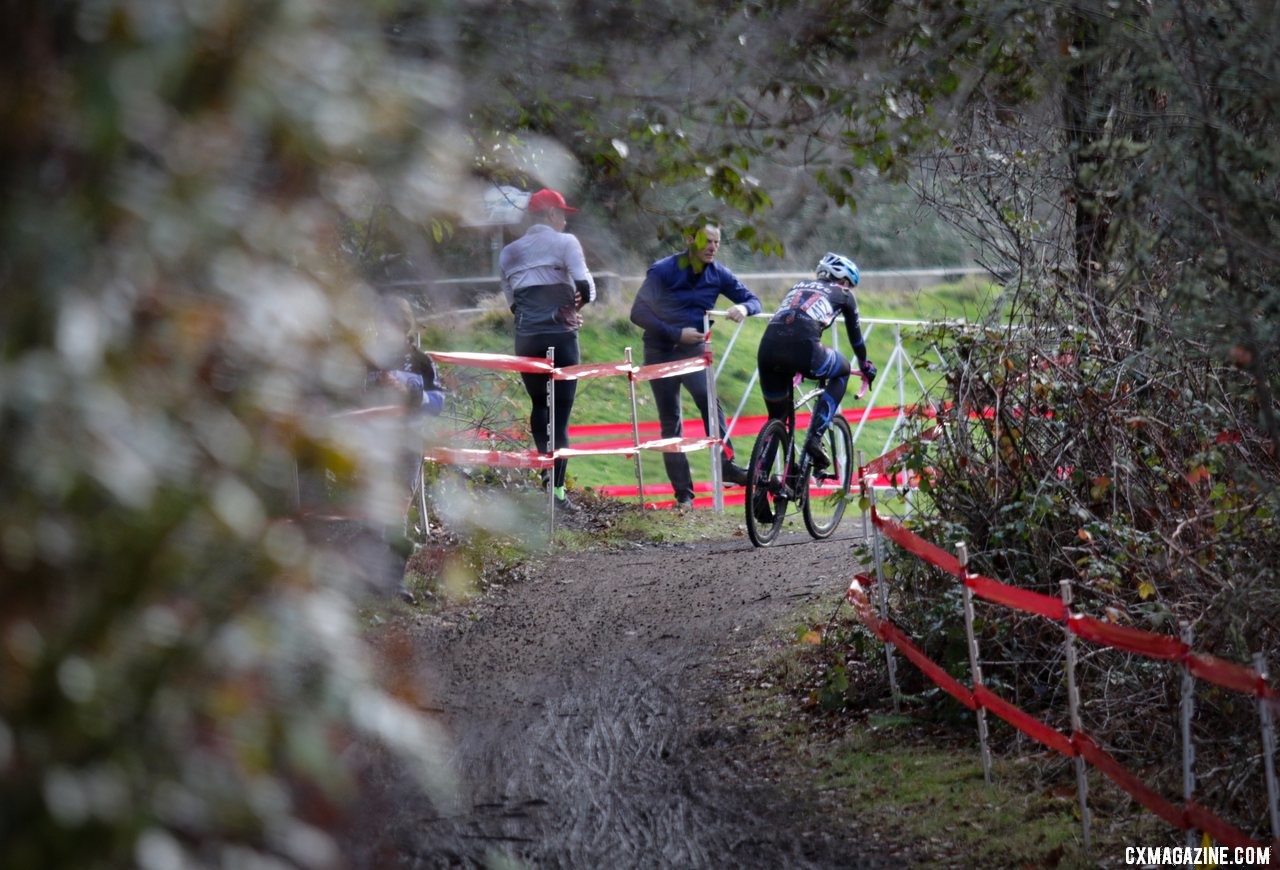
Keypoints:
(792, 344)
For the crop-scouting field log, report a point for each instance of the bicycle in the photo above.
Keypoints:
(777, 478)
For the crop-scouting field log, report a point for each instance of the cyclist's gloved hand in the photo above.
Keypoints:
(869, 371)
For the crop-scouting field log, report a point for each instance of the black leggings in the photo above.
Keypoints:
(781, 355)
(566, 347)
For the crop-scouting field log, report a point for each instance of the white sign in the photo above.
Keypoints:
(499, 206)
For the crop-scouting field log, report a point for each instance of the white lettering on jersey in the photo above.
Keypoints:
(810, 298)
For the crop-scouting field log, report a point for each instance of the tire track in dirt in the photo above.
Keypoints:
(579, 698)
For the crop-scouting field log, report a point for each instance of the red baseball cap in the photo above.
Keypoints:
(548, 198)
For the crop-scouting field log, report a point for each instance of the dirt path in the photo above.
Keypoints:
(579, 702)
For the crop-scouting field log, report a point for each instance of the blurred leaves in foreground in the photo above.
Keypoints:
(181, 673)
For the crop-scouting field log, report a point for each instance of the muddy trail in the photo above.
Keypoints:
(580, 705)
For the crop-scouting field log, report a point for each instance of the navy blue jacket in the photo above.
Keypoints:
(673, 296)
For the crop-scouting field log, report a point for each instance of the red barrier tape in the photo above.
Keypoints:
(933, 671)
(678, 445)
(890, 633)
(884, 481)
(591, 370)
(621, 491)
(1079, 743)
(601, 430)
(1156, 646)
(1024, 721)
(622, 445)
(745, 426)
(377, 411)
(672, 369)
(857, 596)
(879, 412)
(855, 416)
(1230, 675)
(750, 425)
(531, 459)
(1124, 778)
(729, 499)
(881, 464)
(498, 361)
(1017, 599)
(1227, 674)
(1223, 833)
(538, 365)
(866, 415)
(917, 545)
(669, 502)
(505, 459)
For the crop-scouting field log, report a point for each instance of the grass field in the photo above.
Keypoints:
(608, 332)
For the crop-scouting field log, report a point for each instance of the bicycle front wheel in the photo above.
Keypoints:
(766, 501)
(829, 489)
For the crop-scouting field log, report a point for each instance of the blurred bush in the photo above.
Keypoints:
(181, 672)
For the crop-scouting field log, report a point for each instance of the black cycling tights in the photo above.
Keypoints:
(781, 357)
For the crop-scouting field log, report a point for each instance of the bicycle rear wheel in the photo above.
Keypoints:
(829, 490)
(766, 503)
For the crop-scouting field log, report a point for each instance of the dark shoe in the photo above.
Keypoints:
(817, 456)
(684, 504)
(760, 507)
(735, 474)
(563, 504)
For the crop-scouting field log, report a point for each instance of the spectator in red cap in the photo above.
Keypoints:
(545, 280)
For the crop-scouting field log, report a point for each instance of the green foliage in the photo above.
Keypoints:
(835, 687)
(182, 680)
(192, 202)
(898, 782)
(1138, 485)
(718, 135)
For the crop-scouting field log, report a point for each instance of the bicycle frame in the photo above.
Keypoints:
(782, 482)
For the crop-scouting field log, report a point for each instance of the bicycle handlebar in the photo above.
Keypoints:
(866, 383)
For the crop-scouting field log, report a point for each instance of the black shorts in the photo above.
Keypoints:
(784, 353)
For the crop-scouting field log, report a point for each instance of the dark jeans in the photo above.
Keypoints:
(566, 347)
(666, 396)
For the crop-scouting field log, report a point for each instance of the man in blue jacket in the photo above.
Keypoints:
(677, 292)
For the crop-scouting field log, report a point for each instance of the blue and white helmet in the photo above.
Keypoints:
(837, 267)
